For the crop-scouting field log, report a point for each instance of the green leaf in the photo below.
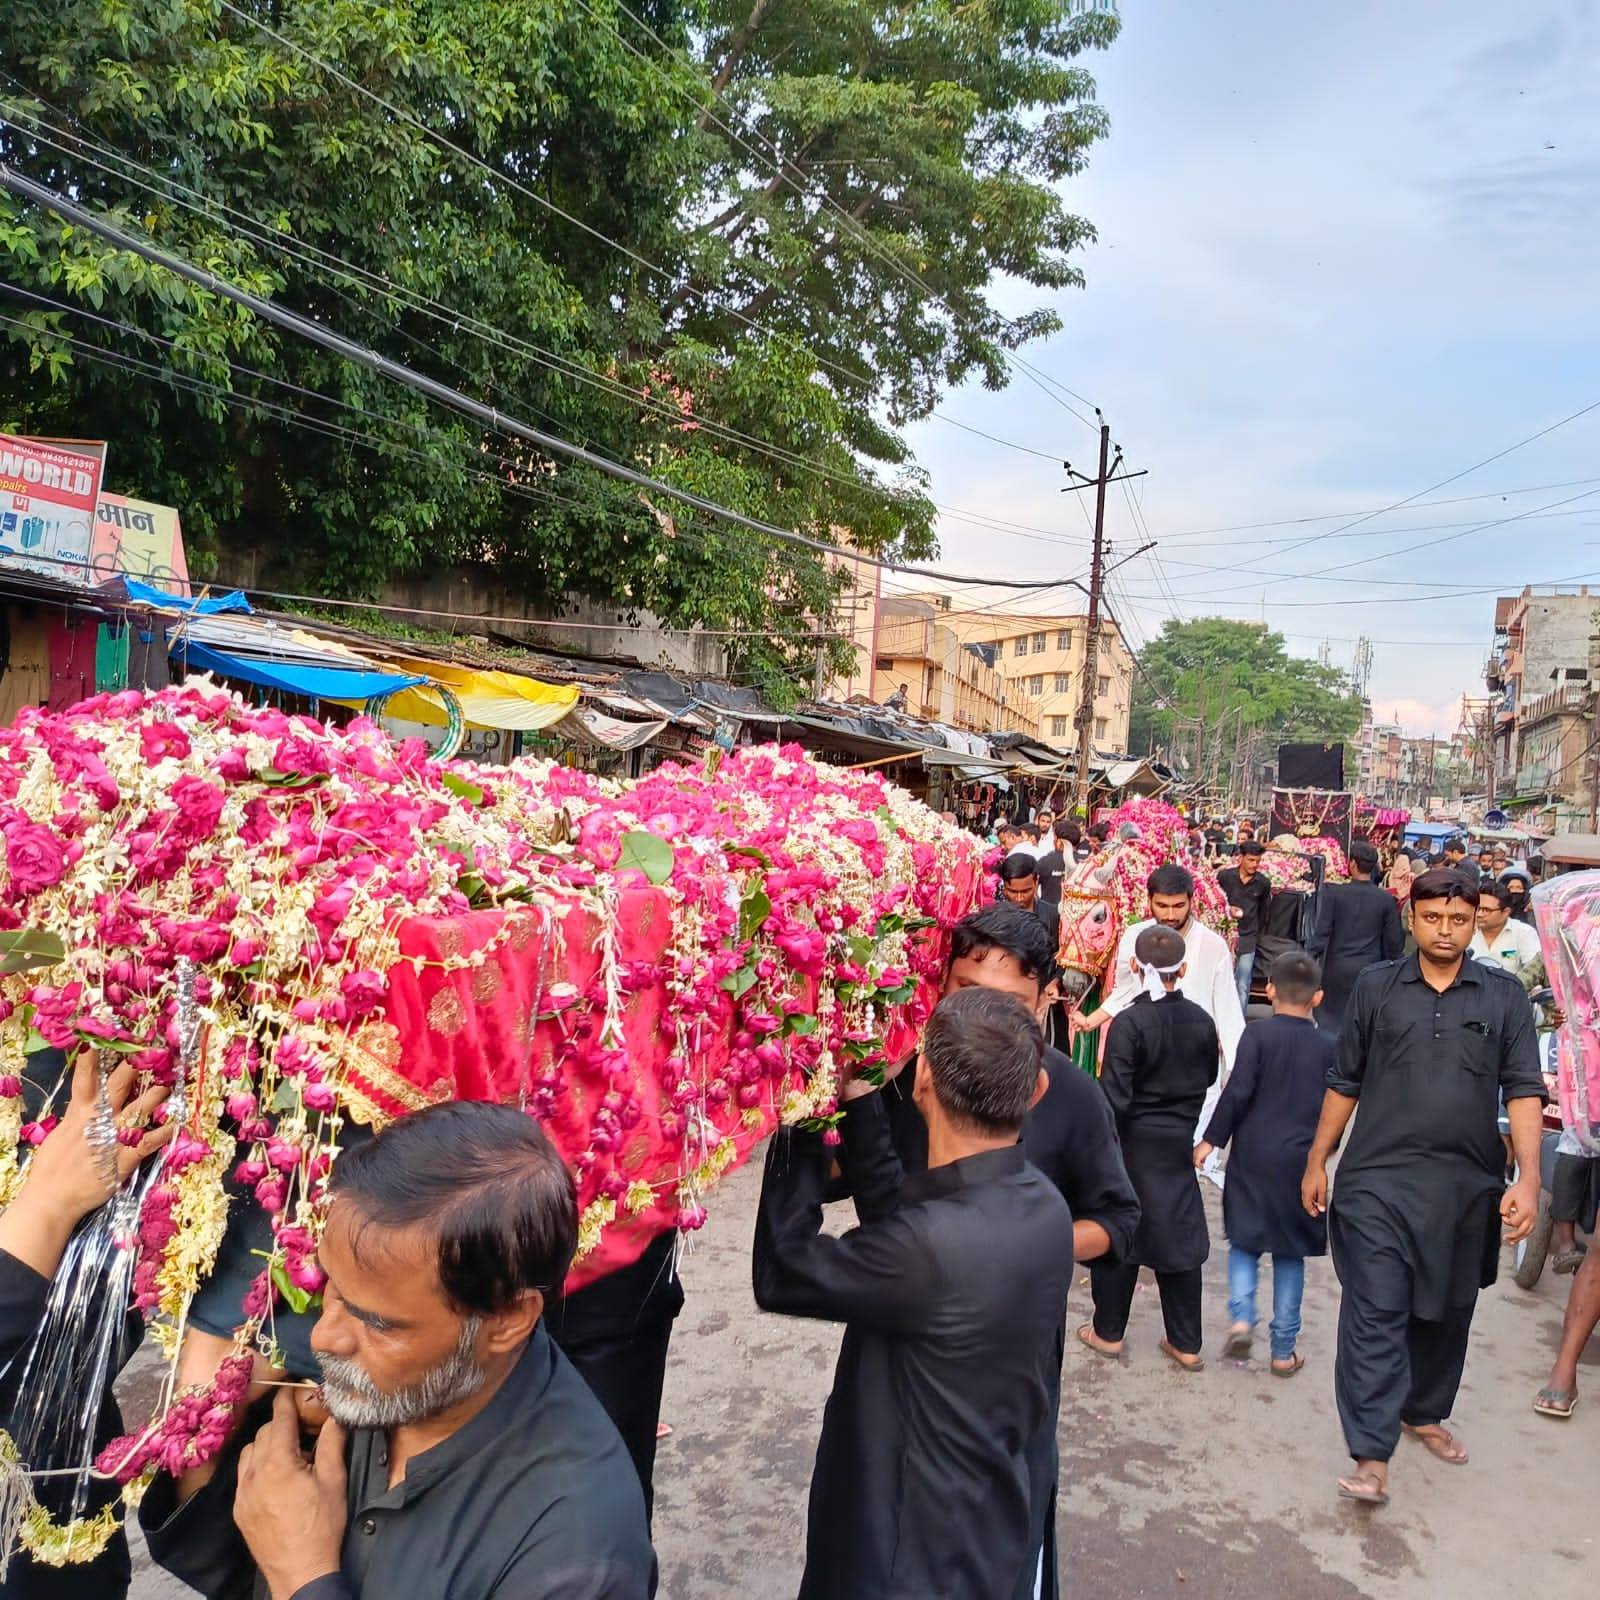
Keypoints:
(291, 780)
(296, 1298)
(470, 792)
(739, 983)
(644, 852)
(798, 1023)
(750, 850)
(36, 1043)
(121, 1047)
(754, 910)
(23, 949)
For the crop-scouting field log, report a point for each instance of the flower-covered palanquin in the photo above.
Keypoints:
(298, 926)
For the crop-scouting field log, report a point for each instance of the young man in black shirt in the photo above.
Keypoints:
(465, 1456)
(1248, 890)
(952, 1290)
(1429, 1046)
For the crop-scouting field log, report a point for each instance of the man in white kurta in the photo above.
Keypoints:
(1208, 978)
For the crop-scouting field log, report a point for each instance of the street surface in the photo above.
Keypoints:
(1212, 1486)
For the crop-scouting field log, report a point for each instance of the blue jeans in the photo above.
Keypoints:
(1288, 1285)
(1243, 966)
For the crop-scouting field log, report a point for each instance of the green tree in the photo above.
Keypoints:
(746, 340)
(1217, 675)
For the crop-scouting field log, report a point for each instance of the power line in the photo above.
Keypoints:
(442, 393)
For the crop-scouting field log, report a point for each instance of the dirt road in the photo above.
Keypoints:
(1215, 1486)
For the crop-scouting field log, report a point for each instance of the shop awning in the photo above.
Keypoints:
(502, 700)
(145, 594)
(292, 677)
(585, 725)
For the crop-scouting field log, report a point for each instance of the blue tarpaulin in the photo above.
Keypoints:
(198, 605)
(316, 683)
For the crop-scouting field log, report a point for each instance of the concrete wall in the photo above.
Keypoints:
(472, 601)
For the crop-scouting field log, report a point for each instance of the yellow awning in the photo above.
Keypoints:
(504, 700)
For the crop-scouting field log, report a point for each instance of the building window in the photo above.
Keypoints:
(1058, 727)
(1020, 648)
(1038, 644)
(1036, 683)
(1102, 686)
(1063, 683)
(1099, 727)
(1064, 639)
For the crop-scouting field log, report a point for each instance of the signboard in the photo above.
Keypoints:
(48, 491)
(137, 539)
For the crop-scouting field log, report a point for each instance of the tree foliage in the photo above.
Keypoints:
(1197, 677)
(759, 335)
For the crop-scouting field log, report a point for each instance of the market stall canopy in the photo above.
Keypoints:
(1573, 850)
(503, 700)
(1135, 775)
(587, 726)
(200, 605)
(348, 685)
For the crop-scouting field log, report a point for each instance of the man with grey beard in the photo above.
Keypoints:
(463, 1454)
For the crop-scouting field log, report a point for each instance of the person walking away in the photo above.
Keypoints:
(1248, 890)
(1060, 859)
(1269, 1111)
(1069, 1135)
(952, 1290)
(1359, 924)
(1160, 1059)
(1429, 1046)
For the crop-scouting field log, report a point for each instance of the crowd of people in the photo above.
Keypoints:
(470, 1432)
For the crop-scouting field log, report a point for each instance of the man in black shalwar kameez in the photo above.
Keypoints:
(1161, 1056)
(1429, 1045)
(952, 1290)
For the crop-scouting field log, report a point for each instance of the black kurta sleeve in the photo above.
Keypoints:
(198, 1541)
(22, 1296)
(1239, 1091)
(1349, 1068)
(880, 1275)
(1393, 935)
(1079, 1152)
(1327, 917)
(1520, 1074)
(867, 1158)
(1118, 1062)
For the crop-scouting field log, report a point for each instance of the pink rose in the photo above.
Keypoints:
(363, 991)
(34, 857)
(301, 758)
(199, 806)
(158, 740)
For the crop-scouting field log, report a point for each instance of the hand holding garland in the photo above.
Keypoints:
(68, 1175)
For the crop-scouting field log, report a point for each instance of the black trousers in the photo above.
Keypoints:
(1394, 1368)
(626, 1372)
(1113, 1287)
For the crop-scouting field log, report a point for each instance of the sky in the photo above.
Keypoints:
(1344, 253)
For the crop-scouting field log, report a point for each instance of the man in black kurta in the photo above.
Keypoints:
(1161, 1056)
(952, 1290)
(1429, 1045)
(1358, 924)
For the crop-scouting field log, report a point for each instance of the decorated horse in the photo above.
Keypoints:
(1106, 895)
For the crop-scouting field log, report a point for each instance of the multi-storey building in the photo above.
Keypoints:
(1042, 657)
(943, 678)
(1541, 644)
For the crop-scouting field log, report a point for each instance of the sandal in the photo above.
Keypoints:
(1439, 1442)
(1556, 1402)
(1194, 1364)
(1290, 1367)
(1567, 1261)
(1236, 1347)
(1086, 1337)
(1365, 1488)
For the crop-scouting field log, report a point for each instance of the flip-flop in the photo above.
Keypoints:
(663, 1430)
(1556, 1402)
(1197, 1365)
(1296, 1361)
(1442, 1445)
(1236, 1347)
(1567, 1261)
(1377, 1495)
(1083, 1338)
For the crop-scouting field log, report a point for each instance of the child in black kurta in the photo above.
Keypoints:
(1269, 1110)
(1161, 1056)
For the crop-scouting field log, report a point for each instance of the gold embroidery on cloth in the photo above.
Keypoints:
(446, 1014)
(486, 981)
